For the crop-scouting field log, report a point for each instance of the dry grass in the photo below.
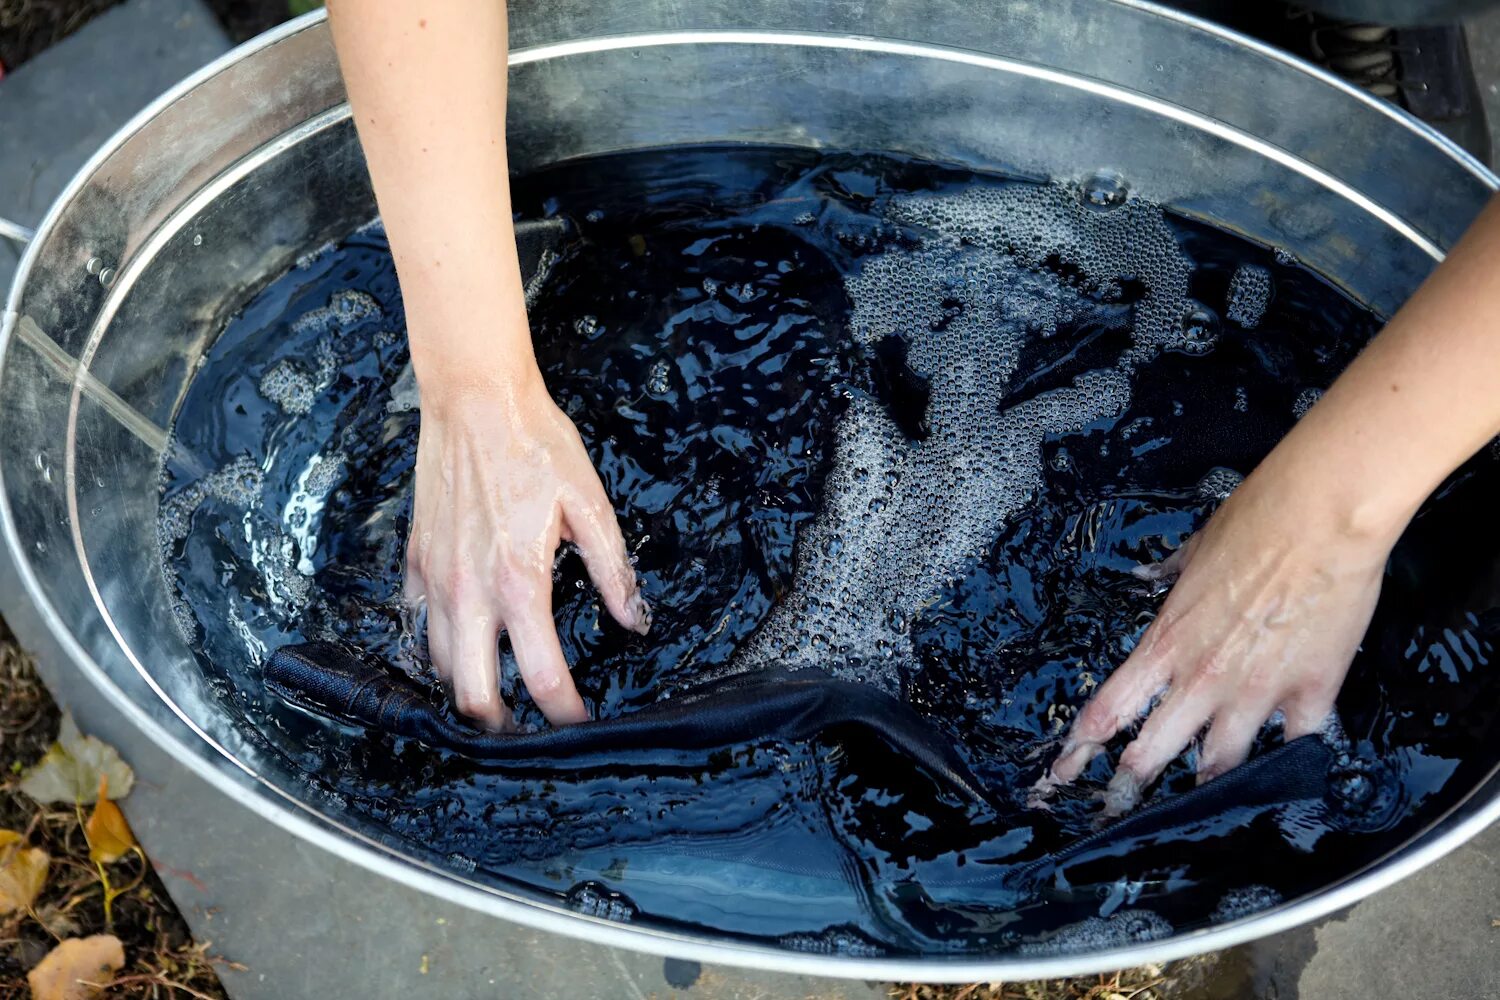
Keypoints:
(162, 960)
(1207, 977)
(1128, 984)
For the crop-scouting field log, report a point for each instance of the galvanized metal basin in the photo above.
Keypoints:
(224, 182)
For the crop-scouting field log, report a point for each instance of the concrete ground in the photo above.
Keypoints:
(1431, 936)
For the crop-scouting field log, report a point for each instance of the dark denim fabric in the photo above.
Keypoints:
(791, 706)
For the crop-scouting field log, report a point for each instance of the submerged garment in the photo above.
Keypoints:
(780, 704)
(1295, 773)
(765, 704)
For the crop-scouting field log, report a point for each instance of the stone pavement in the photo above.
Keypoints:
(308, 925)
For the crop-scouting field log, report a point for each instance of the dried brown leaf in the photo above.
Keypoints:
(76, 968)
(23, 872)
(59, 919)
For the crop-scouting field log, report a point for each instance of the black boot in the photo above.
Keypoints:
(1425, 70)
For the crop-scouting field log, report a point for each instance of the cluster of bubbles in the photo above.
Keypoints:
(659, 379)
(323, 474)
(307, 501)
(346, 308)
(833, 941)
(275, 556)
(289, 383)
(1249, 294)
(1044, 225)
(904, 519)
(1305, 401)
(1218, 483)
(595, 900)
(1244, 902)
(293, 385)
(238, 484)
(1100, 934)
(289, 386)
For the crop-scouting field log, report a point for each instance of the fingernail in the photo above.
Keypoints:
(1074, 758)
(1121, 795)
(1038, 799)
(640, 614)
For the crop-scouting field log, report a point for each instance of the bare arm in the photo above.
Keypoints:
(1275, 593)
(502, 476)
(1421, 399)
(427, 83)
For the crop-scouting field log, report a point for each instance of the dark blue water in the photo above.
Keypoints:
(696, 327)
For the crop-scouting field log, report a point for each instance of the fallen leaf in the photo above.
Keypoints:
(107, 832)
(23, 872)
(71, 770)
(58, 919)
(76, 967)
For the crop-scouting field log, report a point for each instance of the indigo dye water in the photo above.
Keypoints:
(906, 424)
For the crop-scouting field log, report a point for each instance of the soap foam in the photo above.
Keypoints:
(1305, 401)
(346, 309)
(903, 520)
(1245, 901)
(1096, 934)
(1218, 483)
(289, 386)
(843, 941)
(1249, 294)
(239, 484)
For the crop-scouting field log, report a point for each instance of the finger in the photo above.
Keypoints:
(1172, 566)
(539, 655)
(1306, 714)
(475, 667)
(1168, 568)
(414, 585)
(1228, 741)
(439, 637)
(1181, 715)
(593, 527)
(1117, 704)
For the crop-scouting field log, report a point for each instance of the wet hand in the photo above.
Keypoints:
(502, 478)
(1271, 601)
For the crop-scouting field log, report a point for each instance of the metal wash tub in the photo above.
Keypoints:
(221, 184)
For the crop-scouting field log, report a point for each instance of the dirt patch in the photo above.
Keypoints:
(29, 26)
(162, 960)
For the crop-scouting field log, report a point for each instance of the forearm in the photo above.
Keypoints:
(1422, 398)
(427, 86)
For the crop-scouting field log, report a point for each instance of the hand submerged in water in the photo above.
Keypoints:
(502, 478)
(1271, 601)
